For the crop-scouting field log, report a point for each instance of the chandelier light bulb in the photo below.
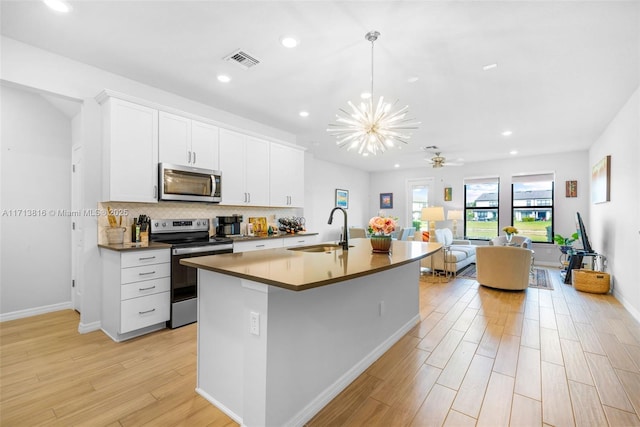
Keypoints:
(370, 129)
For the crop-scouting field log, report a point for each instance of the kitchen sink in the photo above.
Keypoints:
(321, 248)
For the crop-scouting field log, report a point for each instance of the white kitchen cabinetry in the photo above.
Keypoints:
(244, 163)
(257, 245)
(130, 151)
(135, 292)
(184, 141)
(291, 242)
(287, 176)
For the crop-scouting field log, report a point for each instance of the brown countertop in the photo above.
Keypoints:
(122, 247)
(298, 270)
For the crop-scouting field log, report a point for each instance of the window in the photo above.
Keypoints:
(481, 203)
(532, 206)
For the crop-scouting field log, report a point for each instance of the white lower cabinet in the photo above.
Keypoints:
(273, 243)
(290, 242)
(135, 291)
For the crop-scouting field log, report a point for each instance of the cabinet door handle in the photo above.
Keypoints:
(146, 274)
(194, 157)
(188, 156)
(146, 258)
(146, 289)
(148, 311)
(155, 191)
(249, 199)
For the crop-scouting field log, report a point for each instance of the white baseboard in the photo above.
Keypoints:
(235, 417)
(85, 328)
(631, 309)
(35, 311)
(341, 383)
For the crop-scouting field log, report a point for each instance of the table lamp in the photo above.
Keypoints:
(454, 215)
(432, 214)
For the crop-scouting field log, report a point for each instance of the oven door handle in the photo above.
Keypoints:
(198, 249)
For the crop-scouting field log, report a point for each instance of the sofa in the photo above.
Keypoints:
(460, 252)
(503, 267)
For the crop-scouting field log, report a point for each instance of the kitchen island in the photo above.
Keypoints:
(282, 331)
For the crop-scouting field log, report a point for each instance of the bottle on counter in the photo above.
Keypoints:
(134, 225)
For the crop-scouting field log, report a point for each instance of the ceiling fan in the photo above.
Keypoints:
(438, 161)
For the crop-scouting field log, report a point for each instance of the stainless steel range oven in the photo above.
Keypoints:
(188, 238)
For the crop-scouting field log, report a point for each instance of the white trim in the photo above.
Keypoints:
(626, 304)
(341, 383)
(235, 417)
(35, 311)
(85, 328)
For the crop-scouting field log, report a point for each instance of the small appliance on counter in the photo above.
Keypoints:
(227, 226)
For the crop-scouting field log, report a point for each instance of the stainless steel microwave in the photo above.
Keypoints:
(189, 184)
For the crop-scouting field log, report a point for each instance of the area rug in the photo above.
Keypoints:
(539, 279)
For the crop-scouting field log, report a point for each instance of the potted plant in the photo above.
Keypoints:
(565, 243)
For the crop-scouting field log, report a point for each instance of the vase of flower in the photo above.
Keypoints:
(381, 244)
(380, 229)
(509, 236)
(509, 231)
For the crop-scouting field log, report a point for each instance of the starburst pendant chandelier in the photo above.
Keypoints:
(371, 130)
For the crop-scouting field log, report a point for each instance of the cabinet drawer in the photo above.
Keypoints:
(140, 312)
(257, 245)
(146, 287)
(290, 242)
(146, 272)
(138, 258)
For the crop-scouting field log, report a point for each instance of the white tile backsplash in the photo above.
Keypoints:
(183, 210)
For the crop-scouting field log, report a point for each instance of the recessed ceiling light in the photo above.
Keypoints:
(513, 152)
(58, 5)
(224, 78)
(365, 95)
(507, 133)
(490, 67)
(396, 165)
(413, 79)
(289, 42)
(304, 114)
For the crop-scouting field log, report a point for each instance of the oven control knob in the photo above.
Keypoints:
(164, 224)
(155, 224)
(198, 223)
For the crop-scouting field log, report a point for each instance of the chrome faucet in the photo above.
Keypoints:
(345, 240)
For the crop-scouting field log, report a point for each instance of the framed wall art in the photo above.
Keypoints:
(571, 188)
(342, 198)
(448, 194)
(600, 181)
(386, 200)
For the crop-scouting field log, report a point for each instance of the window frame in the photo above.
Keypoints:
(534, 177)
(488, 180)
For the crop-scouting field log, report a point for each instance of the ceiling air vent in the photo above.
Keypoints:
(242, 58)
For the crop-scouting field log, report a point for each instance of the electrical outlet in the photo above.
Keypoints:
(254, 323)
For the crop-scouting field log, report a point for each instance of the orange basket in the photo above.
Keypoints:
(595, 282)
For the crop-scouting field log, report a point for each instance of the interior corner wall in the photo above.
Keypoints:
(565, 166)
(36, 186)
(34, 68)
(614, 226)
(321, 181)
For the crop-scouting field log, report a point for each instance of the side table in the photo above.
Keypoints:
(449, 263)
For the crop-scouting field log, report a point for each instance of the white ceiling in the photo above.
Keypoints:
(564, 68)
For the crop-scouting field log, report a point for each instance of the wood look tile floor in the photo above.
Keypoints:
(478, 357)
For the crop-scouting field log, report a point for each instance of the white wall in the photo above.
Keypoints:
(566, 166)
(36, 180)
(614, 227)
(34, 68)
(321, 180)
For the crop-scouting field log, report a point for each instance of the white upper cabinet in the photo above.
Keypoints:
(244, 163)
(287, 176)
(130, 152)
(188, 142)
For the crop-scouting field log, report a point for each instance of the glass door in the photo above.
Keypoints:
(419, 192)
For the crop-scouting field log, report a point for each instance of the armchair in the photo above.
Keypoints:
(503, 267)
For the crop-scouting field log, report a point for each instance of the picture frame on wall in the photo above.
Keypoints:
(386, 200)
(342, 198)
(571, 188)
(448, 194)
(600, 181)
